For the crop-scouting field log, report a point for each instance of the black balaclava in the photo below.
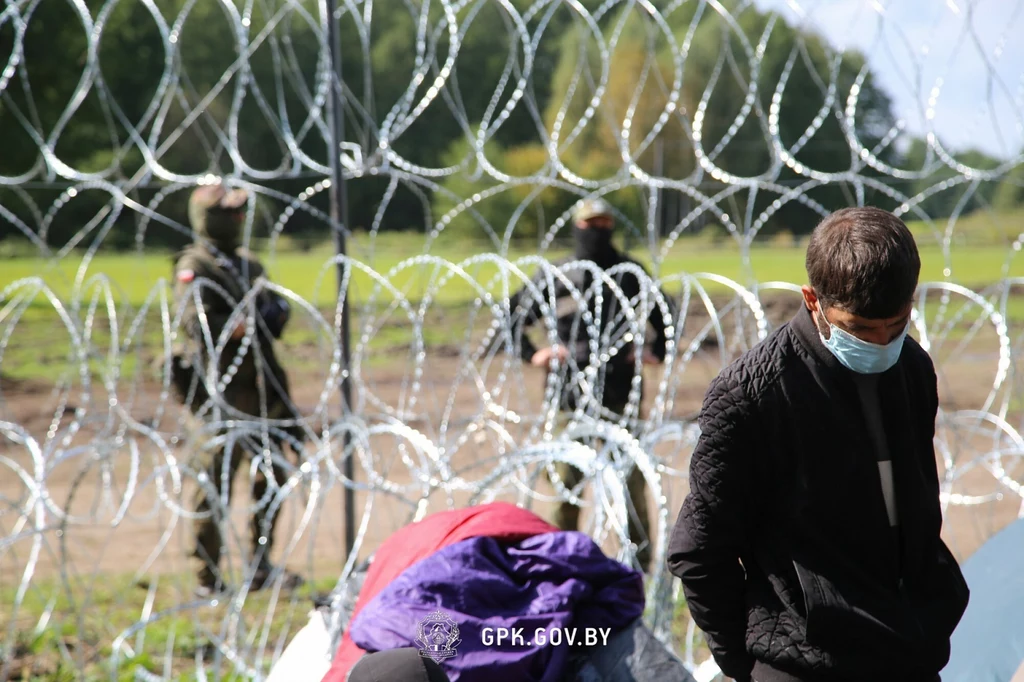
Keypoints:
(594, 244)
(214, 212)
(223, 229)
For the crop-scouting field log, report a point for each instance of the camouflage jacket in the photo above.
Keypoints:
(220, 283)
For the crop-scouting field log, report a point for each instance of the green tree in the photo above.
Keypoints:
(500, 212)
(736, 133)
(1009, 193)
(941, 200)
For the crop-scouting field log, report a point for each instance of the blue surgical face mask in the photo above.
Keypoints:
(861, 356)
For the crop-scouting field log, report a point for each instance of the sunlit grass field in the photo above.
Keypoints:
(311, 275)
(452, 274)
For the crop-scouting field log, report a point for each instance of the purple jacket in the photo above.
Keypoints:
(555, 580)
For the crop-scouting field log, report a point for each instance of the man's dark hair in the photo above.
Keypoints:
(864, 261)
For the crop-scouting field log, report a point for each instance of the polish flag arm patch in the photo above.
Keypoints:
(186, 275)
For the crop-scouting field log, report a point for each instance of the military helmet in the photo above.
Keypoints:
(213, 211)
(592, 208)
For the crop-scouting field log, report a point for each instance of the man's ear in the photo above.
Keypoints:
(810, 299)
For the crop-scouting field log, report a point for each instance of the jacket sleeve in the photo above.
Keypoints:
(931, 415)
(216, 308)
(927, 407)
(525, 310)
(709, 538)
(271, 306)
(951, 593)
(929, 466)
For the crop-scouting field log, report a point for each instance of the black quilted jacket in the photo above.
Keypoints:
(783, 545)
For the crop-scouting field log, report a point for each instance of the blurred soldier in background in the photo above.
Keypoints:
(217, 271)
(593, 230)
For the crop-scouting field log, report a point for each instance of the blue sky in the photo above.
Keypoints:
(970, 51)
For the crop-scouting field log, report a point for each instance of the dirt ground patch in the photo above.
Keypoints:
(92, 487)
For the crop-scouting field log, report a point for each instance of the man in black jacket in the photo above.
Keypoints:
(584, 305)
(808, 546)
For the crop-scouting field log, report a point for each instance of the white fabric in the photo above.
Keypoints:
(707, 671)
(307, 658)
(888, 490)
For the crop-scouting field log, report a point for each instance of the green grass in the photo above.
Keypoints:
(311, 275)
(981, 228)
(133, 277)
(39, 348)
(77, 640)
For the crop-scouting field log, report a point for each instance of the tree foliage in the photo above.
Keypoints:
(666, 100)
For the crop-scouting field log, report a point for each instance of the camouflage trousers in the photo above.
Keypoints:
(567, 514)
(213, 501)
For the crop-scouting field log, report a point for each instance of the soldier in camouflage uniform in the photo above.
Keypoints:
(217, 265)
(594, 225)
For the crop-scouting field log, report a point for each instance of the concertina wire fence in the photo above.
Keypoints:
(97, 454)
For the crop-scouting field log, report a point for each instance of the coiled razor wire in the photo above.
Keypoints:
(96, 494)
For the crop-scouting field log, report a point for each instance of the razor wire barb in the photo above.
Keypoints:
(478, 124)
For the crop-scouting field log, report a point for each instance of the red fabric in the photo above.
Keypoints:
(419, 540)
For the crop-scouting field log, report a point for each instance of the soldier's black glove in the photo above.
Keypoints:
(275, 312)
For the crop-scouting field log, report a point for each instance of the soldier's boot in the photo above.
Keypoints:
(639, 519)
(567, 514)
(263, 524)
